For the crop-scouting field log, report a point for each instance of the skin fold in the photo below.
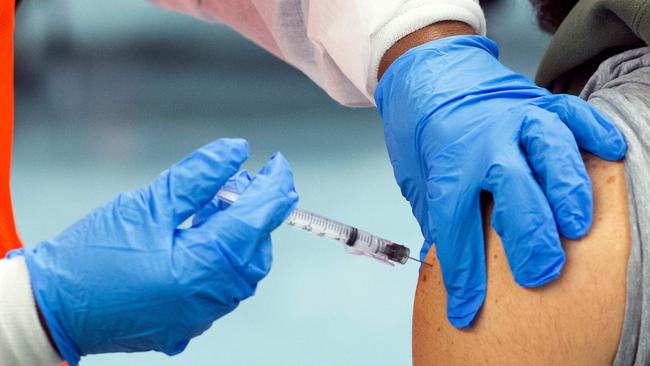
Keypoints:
(575, 320)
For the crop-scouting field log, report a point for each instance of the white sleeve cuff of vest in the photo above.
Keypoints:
(415, 15)
(23, 342)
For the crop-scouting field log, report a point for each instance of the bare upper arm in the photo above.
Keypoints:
(576, 320)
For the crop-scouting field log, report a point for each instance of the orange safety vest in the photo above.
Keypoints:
(8, 235)
(9, 238)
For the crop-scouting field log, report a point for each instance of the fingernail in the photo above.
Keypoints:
(579, 229)
(617, 142)
(462, 322)
(543, 273)
(270, 165)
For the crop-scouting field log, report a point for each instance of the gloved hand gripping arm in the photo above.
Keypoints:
(457, 122)
(126, 279)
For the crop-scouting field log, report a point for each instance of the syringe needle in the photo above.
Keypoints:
(417, 260)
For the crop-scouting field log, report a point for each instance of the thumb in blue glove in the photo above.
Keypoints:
(126, 279)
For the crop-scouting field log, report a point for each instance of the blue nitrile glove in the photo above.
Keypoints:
(458, 122)
(126, 279)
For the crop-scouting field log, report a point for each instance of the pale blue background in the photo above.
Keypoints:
(109, 93)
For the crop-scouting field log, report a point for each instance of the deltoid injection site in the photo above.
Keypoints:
(356, 241)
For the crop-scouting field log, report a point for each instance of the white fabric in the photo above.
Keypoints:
(23, 341)
(337, 43)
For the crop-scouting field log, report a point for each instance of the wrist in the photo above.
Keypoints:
(427, 34)
(46, 304)
(46, 329)
(433, 74)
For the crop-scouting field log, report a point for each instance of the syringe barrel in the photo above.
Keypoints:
(321, 226)
(357, 241)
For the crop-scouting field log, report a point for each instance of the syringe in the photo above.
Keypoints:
(357, 241)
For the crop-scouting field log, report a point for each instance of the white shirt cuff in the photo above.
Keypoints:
(23, 342)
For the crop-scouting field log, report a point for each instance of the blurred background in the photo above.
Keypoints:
(110, 93)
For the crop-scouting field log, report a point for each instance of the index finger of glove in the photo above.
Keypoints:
(593, 131)
(460, 247)
(189, 185)
(523, 219)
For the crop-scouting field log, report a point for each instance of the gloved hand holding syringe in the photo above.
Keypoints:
(357, 241)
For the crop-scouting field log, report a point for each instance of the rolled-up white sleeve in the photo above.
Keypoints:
(337, 43)
(23, 341)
